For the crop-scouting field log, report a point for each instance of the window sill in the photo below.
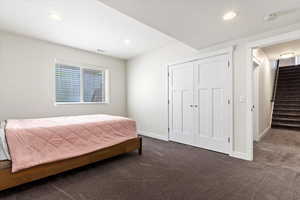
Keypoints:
(79, 103)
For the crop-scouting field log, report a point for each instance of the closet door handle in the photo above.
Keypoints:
(196, 106)
(191, 106)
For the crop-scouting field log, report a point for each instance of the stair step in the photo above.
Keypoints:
(287, 95)
(285, 113)
(288, 82)
(288, 74)
(285, 125)
(287, 105)
(280, 106)
(284, 93)
(289, 68)
(287, 110)
(288, 89)
(285, 119)
(290, 71)
(288, 78)
(279, 100)
(286, 98)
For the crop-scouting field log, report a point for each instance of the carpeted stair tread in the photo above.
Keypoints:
(291, 67)
(287, 101)
(294, 110)
(287, 125)
(291, 106)
(288, 90)
(285, 119)
(286, 114)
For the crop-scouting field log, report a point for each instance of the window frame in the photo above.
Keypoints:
(82, 67)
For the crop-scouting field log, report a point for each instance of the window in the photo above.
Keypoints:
(297, 60)
(67, 83)
(93, 86)
(79, 84)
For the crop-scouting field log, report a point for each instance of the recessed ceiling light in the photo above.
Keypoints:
(55, 16)
(287, 55)
(127, 42)
(229, 15)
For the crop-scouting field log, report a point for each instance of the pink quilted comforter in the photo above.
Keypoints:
(38, 141)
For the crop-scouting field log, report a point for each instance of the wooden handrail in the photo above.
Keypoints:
(275, 81)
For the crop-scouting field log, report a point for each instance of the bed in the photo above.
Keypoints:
(38, 148)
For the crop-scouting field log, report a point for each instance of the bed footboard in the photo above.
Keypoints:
(9, 180)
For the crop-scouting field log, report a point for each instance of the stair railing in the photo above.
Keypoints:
(275, 81)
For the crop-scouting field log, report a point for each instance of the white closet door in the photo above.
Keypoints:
(212, 100)
(181, 96)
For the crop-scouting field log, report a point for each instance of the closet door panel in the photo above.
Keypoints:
(211, 86)
(181, 96)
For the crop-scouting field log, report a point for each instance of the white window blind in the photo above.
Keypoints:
(79, 84)
(67, 83)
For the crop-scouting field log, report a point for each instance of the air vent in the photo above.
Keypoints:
(100, 51)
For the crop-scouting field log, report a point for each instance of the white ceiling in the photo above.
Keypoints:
(274, 51)
(86, 24)
(199, 23)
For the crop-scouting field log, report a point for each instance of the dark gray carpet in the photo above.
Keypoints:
(280, 148)
(166, 171)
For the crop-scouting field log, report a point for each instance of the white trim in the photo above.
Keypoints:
(168, 99)
(262, 134)
(240, 155)
(281, 38)
(255, 77)
(153, 135)
(229, 51)
(79, 64)
(231, 67)
(249, 103)
(201, 56)
(76, 103)
(257, 61)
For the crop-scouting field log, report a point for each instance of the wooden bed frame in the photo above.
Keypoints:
(9, 180)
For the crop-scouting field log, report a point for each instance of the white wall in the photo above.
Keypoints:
(266, 76)
(27, 79)
(147, 87)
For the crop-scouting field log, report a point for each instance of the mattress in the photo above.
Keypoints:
(34, 142)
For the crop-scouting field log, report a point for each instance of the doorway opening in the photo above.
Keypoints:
(276, 104)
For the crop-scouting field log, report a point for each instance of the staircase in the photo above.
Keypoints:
(286, 112)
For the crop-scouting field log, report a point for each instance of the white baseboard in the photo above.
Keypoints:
(262, 134)
(240, 155)
(153, 135)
